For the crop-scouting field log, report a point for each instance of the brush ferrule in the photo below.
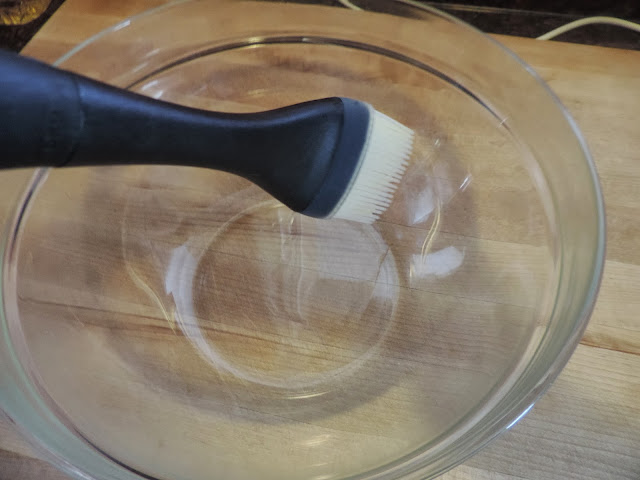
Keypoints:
(346, 160)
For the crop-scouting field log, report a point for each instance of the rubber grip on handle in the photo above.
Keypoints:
(50, 117)
(40, 113)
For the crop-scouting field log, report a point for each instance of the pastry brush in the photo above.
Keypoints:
(327, 158)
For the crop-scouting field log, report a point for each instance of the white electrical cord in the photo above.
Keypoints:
(590, 21)
(350, 5)
(562, 29)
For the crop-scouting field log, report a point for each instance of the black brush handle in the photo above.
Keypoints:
(53, 118)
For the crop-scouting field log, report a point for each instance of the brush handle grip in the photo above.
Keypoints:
(54, 118)
(40, 113)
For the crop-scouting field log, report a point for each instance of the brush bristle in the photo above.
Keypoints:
(383, 162)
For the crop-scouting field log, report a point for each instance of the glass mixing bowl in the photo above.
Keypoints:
(176, 323)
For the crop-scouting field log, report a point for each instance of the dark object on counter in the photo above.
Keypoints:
(14, 12)
(15, 37)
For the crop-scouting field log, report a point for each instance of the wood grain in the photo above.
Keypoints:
(587, 426)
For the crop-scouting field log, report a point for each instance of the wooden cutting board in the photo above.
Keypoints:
(588, 425)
